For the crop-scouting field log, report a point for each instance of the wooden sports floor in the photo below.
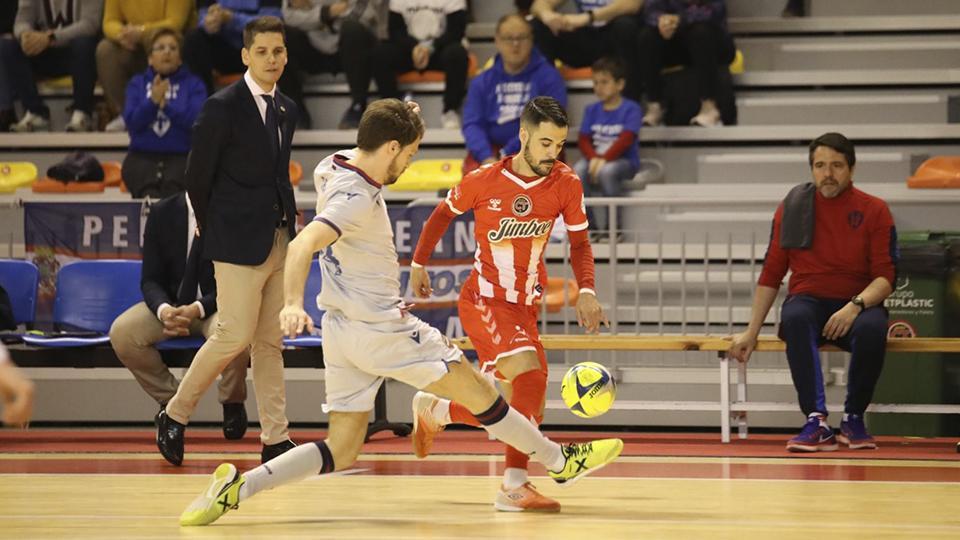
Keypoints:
(107, 483)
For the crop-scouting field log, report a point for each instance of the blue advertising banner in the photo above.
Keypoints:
(57, 234)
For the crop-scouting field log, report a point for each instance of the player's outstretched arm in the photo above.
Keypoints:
(314, 237)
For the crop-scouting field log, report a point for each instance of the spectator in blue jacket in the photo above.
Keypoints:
(216, 42)
(162, 104)
(608, 139)
(689, 32)
(491, 115)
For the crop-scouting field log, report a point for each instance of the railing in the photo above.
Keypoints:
(731, 408)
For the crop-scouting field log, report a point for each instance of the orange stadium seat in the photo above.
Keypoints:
(111, 173)
(412, 77)
(940, 172)
(429, 175)
(16, 174)
(49, 185)
(296, 172)
(555, 293)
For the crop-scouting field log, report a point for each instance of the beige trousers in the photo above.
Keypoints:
(115, 66)
(249, 299)
(134, 335)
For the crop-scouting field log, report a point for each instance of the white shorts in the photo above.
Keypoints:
(358, 355)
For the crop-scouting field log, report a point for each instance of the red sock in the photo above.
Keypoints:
(460, 415)
(528, 391)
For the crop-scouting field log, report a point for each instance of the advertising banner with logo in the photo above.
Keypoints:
(58, 233)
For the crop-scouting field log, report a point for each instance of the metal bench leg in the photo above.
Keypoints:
(742, 398)
(380, 422)
(724, 398)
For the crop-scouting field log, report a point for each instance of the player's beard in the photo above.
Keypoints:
(542, 168)
(393, 172)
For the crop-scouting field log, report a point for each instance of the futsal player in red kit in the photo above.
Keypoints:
(515, 202)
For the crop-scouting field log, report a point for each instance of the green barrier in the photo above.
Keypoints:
(917, 309)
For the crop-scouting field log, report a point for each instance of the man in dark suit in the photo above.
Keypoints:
(179, 299)
(238, 180)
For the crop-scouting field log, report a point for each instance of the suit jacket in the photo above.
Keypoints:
(237, 187)
(165, 258)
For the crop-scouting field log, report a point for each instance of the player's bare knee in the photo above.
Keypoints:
(517, 364)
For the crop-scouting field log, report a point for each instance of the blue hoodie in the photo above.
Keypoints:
(166, 131)
(491, 115)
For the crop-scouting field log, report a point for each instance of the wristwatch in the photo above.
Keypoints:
(858, 301)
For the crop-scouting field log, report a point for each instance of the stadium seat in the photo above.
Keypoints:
(20, 280)
(937, 172)
(585, 73)
(414, 77)
(16, 174)
(429, 175)
(554, 295)
(310, 292)
(49, 185)
(90, 295)
(296, 172)
(225, 79)
(182, 343)
(111, 173)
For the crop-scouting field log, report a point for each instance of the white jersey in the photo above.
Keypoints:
(361, 274)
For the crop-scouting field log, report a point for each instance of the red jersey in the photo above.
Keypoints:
(854, 242)
(513, 217)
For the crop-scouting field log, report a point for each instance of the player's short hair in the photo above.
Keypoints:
(610, 65)
(262, 25)
(502, 20)
(161, 32)
(388, 120)
(837, 142)
(544, 109)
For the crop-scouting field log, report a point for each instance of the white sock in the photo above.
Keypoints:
(291, 466)
(514, 478)
(511, 427)
(845, 417)
(821, 417)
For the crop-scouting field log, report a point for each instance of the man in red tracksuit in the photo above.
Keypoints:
(841, 246)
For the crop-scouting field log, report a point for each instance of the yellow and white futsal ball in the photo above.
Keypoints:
(588, 389)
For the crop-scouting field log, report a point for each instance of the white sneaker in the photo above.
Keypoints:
(79, 121)
(31, 122)
(450, 120)
(707, 119)
(653, 116)
(116, 125)
(425, 425)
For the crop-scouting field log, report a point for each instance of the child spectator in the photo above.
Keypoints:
(162, 104)
(608, 139)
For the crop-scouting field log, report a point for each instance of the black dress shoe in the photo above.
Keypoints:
(170, 439)
(234, 421)
(156, 418)
(271, 451)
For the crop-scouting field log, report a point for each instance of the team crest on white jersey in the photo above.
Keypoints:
(522, 205)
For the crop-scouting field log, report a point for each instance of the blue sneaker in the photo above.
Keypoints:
(854, 434)
(816, 436)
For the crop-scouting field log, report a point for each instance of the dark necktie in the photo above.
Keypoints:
(271, 124)
(187, 293)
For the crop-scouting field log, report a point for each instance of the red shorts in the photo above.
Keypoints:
(498, 328)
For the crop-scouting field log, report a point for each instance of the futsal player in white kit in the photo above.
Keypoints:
(367, 333)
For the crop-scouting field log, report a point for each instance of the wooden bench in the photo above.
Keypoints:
(730, 407)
